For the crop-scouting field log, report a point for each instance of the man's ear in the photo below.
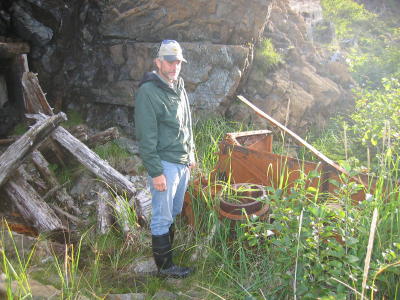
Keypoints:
(157, 62)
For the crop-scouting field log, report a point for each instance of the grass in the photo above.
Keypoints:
(309, 251)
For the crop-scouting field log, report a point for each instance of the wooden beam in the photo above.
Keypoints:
(9, 50)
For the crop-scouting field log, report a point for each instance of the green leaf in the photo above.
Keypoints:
(352, 259)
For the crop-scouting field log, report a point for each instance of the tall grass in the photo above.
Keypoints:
(327, 250)
(307, 248)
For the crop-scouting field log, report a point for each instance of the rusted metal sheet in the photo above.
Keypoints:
(298, 139)
(243, 164)
(247, 157)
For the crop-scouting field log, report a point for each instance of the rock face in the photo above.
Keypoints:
(220, 22)
(91, 55)
(304, 91)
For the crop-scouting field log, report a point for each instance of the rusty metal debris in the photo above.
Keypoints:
(247, 157)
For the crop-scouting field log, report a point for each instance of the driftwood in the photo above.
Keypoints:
(58, 191)
(14, 155)
(31, 206)
(81, 132)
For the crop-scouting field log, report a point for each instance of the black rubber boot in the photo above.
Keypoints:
(172, 233)
(163, 257)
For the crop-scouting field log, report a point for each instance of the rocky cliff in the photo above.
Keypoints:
(90, 55)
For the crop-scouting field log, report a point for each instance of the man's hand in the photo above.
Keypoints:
(160, 183)
(192, 165)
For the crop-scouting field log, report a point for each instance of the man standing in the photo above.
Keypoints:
(164, 131)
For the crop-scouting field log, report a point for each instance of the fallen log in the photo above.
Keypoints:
(31, 206)
(88, 158)
(15, 154)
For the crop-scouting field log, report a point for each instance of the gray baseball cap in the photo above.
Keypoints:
(170, 50)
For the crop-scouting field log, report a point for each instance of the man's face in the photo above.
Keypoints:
(169, 70)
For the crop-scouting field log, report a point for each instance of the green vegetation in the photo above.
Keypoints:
(307, 248)
(371, 45)
(74, 118)
(371, 42)
(349, 17)
(19, 129)
(266, 57)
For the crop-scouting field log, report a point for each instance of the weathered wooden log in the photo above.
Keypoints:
(81, 132)
(59, 192)
(14, 155)
(31, 206)
(103, 137)
(34, 98)
(33, 179)
(10, 49)
(104, 212)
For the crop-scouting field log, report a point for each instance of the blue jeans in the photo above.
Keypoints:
(168, 204)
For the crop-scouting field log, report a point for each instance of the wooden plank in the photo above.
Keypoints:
(15, 154)
(9, 50)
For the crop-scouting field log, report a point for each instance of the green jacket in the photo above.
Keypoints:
(163, 124)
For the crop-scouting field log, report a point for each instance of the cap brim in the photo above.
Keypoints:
(174, 58)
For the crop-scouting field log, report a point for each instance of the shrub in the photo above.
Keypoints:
(266, 57)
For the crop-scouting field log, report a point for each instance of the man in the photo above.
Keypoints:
(164, 131)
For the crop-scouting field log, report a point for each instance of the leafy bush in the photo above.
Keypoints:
(349, 17)
(376, 120)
